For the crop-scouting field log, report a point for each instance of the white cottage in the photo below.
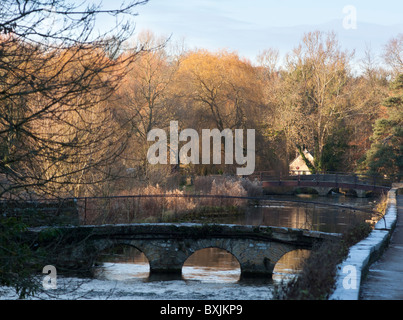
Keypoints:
(298, 165)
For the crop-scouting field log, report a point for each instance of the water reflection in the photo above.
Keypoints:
(304, 215)
(290, 264)
(122, 271)
(122, 263)
(125, 263)
(211, 265)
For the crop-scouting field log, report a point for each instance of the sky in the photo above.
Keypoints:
(249, 27)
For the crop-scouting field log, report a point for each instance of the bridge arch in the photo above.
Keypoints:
(256, 258)
(290, 263)
(119, 251)
(212, 262)
(355, 192)
(305, 190)
(120, 261)
(99, 246)
(213, 247)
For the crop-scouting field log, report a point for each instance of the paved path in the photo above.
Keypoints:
(385, 278)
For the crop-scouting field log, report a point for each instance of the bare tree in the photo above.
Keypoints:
(145, 100)
(318, 74)
(58, 70)
(393, 54)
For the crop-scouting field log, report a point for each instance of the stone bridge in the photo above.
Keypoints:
(360, 185)
(167, 246)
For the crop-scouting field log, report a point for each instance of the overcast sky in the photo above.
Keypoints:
(251, 26)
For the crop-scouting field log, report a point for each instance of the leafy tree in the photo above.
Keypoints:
(386, 153)
(19, 264)
(220, 90)
(336, 148)
(222, 87)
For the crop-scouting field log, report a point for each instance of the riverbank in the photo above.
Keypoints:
(384, 280)
(352, 271)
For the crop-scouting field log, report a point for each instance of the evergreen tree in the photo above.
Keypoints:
(385, 155)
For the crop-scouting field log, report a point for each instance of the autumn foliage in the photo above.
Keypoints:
(75, 119)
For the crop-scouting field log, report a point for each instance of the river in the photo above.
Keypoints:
(210, 273)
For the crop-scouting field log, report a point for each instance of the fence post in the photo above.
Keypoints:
(176, 204)
(85, 210)
(137, 212)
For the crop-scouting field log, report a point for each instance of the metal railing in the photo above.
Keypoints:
(162, 207)
(334, 177)
(143, 207)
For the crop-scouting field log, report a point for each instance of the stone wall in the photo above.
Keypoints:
(354, 268)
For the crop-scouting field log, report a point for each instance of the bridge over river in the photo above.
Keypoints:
(358, 184)
(167, 246)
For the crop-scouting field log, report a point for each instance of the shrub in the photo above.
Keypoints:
(203, 184)
(178, 203)
(229, 188)
(253, 188)
(155, 201)
(317, 279)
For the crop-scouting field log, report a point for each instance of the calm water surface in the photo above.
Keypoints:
(325, 215)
